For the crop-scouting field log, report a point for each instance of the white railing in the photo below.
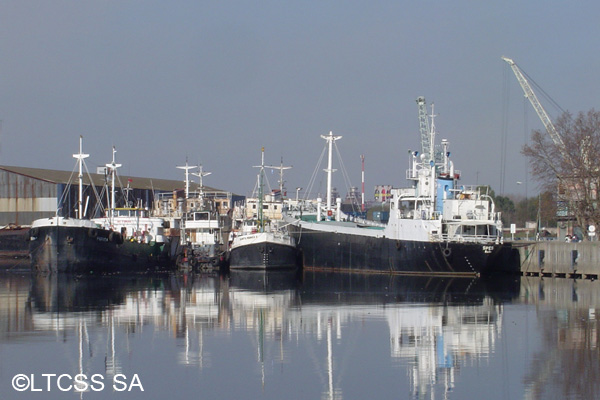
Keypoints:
(464, 238)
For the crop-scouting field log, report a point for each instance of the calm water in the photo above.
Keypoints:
(316, 336)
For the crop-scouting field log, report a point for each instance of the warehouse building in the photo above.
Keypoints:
(27, 194)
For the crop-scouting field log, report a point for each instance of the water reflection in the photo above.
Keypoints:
(568, 364)
(434, 324)
(311, 335)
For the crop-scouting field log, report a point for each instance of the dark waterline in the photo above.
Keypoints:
(310, 336)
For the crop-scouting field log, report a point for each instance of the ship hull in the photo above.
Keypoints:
(326, 250)
(90, 250)
(263, 255)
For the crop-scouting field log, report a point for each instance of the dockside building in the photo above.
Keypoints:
(27, 194)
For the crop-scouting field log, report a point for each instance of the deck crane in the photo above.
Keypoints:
(426, 140)
(554, 135)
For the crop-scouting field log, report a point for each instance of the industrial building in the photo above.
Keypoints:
(27, 194)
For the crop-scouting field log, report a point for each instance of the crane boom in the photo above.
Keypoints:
(529, 93)
(426, 149)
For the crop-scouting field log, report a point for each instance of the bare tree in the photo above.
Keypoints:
(571, 168)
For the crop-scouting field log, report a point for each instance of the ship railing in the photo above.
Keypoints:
(474, 216)
(405, 192)
(411, 174)
(423, 215)
(464, 238)
(364, 222)
(473, 189)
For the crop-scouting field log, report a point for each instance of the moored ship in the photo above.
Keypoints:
(262, 242)
(112, 244)
(198, 222)
(267, 248)
(61, 244)
(435, 226)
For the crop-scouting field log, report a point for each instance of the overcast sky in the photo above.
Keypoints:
(215, 81)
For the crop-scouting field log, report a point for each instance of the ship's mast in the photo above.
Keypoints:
(260, 190)
(113, 170)
(432, 156)
(330, 140)
(187, 168)
(362, 179)
(280, 168)
(128, 189)
(80, 158)
(201, 174)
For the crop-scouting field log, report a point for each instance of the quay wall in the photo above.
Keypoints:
(559, 259)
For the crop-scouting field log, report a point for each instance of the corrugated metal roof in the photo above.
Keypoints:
(55, 176)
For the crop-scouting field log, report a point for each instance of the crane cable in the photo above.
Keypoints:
(504, 128)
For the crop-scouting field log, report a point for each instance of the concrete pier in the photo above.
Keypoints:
(559, 259)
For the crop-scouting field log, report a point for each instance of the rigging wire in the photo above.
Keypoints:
(65, 192)
(313, 177)
(346, 177)
(525, 141)
(545, 95)
(256, 185)
(99, 206)
(63, 197)
(504, 127)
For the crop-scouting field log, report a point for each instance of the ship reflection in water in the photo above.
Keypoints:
(315, 335)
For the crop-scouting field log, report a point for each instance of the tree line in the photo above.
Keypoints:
(567, 171)
(518, 210)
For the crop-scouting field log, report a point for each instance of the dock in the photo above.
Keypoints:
(559, 259)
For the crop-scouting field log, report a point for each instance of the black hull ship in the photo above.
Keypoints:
(80, 246)
(264, 250)
(335, 250)
(123, 241)
(263, 243)
(436, 226)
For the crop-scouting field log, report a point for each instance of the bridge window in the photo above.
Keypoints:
(201, 217)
